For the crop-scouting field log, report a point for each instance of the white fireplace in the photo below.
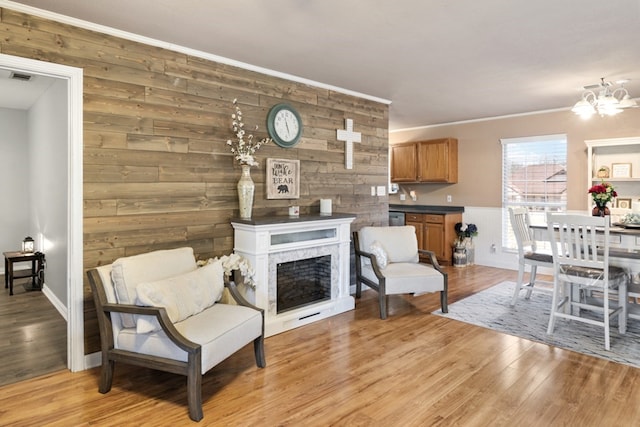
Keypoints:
(302, 267)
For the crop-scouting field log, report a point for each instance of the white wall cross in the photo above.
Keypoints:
(349, 137)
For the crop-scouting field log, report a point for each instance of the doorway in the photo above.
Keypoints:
(71, 307)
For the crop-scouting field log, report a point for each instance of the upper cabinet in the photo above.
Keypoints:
(616, 161)
(404, 161)
(425, 161)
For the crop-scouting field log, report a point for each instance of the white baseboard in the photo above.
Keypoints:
(62, 309)
(92, 360)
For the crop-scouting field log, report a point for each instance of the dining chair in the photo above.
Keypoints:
(583, 277)
(528, 254)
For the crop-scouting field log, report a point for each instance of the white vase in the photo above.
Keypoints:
(246, 188)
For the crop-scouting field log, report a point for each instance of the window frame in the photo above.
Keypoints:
(538, 208)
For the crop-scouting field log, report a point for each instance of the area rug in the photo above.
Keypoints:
(529, 319)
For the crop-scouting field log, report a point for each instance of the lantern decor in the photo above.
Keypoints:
(27, 245)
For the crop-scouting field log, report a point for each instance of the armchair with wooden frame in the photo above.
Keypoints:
(159, 310)
(387, 261)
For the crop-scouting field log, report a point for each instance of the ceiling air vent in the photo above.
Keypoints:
(21, 76)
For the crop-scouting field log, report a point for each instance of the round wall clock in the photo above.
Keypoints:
(284, 125)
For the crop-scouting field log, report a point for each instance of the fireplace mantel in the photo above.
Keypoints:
(267, 241)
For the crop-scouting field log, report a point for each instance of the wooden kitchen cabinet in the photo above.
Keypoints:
(425, 161)
(404, 160)
(418, 222)
(435, 232)
(434, 235)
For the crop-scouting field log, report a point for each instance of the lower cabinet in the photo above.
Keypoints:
(417, 222)
(435, 232)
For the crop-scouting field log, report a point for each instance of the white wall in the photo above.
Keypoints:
(48, 157)
(14, 173)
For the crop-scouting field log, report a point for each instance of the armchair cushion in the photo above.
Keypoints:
(400, 278)
(400, 243)
(221, 330)
(182, 296)
(128, 272)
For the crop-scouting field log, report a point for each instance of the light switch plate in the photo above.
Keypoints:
(381, 190)
(373, 190)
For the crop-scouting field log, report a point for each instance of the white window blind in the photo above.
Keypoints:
(534, 175)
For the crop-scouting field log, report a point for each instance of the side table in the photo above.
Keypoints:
(36, 272)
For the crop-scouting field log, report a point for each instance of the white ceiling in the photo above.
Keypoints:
(438, 61)
(19, 94)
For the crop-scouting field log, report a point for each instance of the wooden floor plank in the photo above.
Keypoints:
(413, 369)
(33, 335)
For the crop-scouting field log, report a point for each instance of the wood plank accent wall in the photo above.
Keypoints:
(157, 171)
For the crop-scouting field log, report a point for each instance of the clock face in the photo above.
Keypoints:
(284, 125)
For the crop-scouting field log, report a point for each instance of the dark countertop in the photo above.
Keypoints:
(281, 219)
(426, 209)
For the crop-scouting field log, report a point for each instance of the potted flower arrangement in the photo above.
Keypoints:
(464, 231)
(244, 149)
(234, 262)
(464, 252)
(602, 194)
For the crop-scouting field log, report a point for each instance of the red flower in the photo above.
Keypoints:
(602, 193)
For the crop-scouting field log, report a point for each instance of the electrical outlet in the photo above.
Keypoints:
(449, 198)
(381, 190)
(373, 190)
(403, 197)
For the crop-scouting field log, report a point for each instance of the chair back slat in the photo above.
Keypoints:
(575, 239)
(521, 226)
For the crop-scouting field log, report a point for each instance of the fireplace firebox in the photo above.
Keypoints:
(303, 282)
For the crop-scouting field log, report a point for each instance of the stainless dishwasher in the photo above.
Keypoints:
(396, 218)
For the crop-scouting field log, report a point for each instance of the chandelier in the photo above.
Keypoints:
(608, 102)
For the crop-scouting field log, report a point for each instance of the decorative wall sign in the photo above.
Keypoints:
(283, 179)
(623, 203)
(621, 170)
(349, 137)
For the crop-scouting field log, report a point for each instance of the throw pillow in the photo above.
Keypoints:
(128, 272)
(381, 255)
(182, 296)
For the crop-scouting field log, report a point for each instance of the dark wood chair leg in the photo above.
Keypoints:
(194, 388)
(443, 302)
(258, 349)
(383, 305)
(444, 295)
(106, 375)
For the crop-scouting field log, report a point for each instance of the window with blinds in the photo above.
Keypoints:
(534, 175)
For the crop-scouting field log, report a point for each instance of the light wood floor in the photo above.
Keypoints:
(33, 335)
(414, 369)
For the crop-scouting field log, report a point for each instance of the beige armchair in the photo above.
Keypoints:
(161, 311)
(387, 261)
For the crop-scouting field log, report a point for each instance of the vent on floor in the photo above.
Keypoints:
(21, 76)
